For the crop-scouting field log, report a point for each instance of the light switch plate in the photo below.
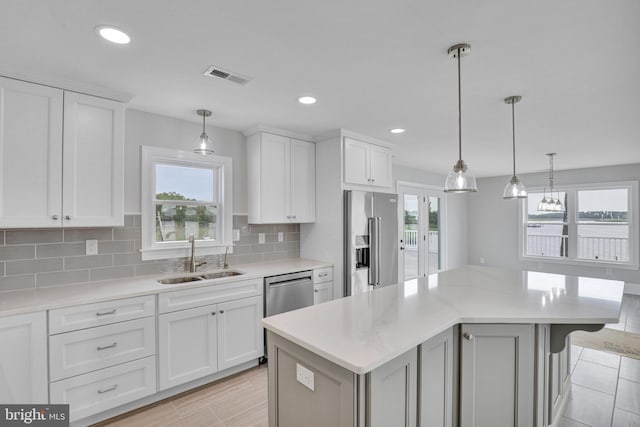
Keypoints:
(305, 377)
(261, 238)
(91, 247)
(280, 236)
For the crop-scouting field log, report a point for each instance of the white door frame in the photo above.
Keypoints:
(424, 191)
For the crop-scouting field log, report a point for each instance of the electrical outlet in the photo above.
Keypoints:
(280, 236)
(91, 247)
(305, 377)
(261, 238)
(236, 235)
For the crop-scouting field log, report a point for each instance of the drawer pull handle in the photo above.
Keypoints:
(323, 274)
(221, 311)
(106, 390)
(213, 313)
(316, 291)
(106, 313)
(114, 345)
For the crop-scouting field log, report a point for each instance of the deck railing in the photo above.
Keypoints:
(411, 240)
(589, 248)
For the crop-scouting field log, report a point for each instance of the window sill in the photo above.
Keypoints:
(183, 252)
(582, 263)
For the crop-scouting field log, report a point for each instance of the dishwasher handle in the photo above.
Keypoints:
(288, 283)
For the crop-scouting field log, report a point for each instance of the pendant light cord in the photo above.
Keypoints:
(513, 126)
(204, 117)
(459, 110)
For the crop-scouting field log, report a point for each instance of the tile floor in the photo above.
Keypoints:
(605, 392)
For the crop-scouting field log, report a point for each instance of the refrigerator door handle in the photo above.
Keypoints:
(374, 250)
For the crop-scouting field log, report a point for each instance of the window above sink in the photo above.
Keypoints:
(182, 194)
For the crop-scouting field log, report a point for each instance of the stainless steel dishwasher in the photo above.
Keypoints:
(287, 292)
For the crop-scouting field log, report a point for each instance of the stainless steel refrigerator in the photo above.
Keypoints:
(371, 240)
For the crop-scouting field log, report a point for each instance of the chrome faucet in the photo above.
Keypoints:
(225, 265)
(192, 263)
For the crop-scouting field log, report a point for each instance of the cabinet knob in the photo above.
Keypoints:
(213, 313)
(294, 217)
(315, 290)
(288, 216)
(67, 217)
(55, 217)
(373, 180)
(221, 311)
(467, 336)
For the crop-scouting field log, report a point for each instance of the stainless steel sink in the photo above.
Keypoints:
(206, 276)
(220, 274)
(178, 280)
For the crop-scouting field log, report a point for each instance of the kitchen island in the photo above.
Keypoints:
(474, 346)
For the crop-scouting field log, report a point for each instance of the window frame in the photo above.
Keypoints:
(572, 218)
(222, 167)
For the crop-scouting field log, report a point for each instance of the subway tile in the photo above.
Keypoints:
(293, 254)
(262, 248)
(129, 221)
(261, 228)
(272, 256)
(82, 234)
(628, 396)
(248, 239)
(52, 250)
(290, 237)
(33, 266)
(127, 259)
(109, 273)
(250, 258)
(61, 278)
(116, 246)
(17, 283)
(137, 245)
(281, 246)
(137, 220)
(90, 261)
(293, 245)
(16, 237)
(241, 249)
(2, 237)
(148, 268)
(271, 237)
(127, 233)
(17, 252)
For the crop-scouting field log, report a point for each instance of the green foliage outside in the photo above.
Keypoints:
(179, 215)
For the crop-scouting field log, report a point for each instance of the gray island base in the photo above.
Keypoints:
(475, 346)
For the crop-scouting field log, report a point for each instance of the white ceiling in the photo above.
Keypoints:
(372, 64)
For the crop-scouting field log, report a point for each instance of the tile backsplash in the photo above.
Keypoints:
(44, 258)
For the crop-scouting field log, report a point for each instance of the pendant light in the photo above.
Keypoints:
(514, 188)
(550, 204)
(460, 180)
(204, 145)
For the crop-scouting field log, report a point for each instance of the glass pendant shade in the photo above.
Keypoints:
(550, 204)
(514, 189)
(460, 180)
(203, 144)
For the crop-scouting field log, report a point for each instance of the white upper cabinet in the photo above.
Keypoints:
(366, 164)
(93, 176)
(30, 155)
(280, 179)
(35, 189)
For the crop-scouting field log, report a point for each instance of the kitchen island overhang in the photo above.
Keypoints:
(388, 333)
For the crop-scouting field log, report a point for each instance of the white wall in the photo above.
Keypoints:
(456, 220)
(494, 227)
(143, 128)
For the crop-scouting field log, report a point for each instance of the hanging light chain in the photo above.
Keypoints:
(459, 107)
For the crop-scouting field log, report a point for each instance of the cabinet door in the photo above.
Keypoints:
(303, 181)
(30, 155)
(322, 292)
(436, 381)
(240, 335)
(23, 359)
(380, 174)
(275, 177)
(356, 162)
(93, 193)
(496, 378)
(187, 345)
(392, 390)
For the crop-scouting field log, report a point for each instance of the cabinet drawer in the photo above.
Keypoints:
(102, 313)
(206, 295)
(88, 350)
(105, 389)
(323, 275)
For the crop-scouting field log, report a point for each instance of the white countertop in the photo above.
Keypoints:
(18, 302)
(364, 331)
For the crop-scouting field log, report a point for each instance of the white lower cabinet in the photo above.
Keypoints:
(435, 383)
(201, 341)
(187, 345)
(23, 358)
(496, 375)
(322, 285)
(107, 388)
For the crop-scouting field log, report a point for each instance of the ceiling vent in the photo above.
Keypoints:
(219, 72)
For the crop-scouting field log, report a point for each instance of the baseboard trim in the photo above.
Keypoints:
(632, 288)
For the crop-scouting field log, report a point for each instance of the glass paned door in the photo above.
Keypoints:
(433, 241)
(411, 235)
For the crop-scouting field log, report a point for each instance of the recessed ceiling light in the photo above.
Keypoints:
(113, 34)
(307, 100)
(397, 130)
